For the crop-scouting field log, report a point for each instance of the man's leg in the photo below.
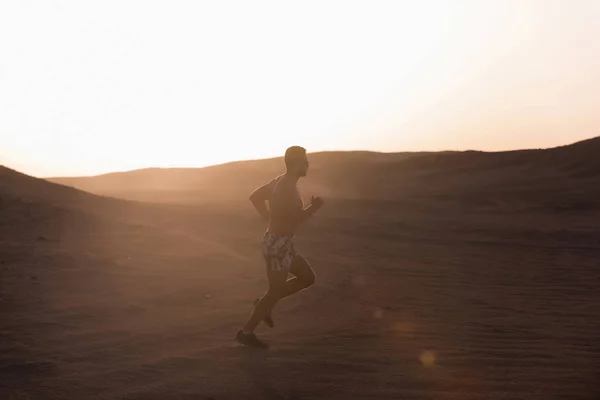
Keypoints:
(304, 276)
(277, 288)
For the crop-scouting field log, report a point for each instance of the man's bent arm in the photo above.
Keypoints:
(261, 207)
(259, 198)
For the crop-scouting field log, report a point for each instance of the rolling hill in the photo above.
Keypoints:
(556, 178)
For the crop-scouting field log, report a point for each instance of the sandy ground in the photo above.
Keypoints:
(138, 301)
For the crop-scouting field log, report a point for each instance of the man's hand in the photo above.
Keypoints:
(315, 203)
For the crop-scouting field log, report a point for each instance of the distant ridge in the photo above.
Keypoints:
(531, 176)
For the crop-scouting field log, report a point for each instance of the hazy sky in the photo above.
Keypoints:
(89, 87)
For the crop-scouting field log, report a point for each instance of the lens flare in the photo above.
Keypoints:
(427, 359)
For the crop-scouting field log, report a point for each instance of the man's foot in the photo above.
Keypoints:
(250, 340)
(268, 320)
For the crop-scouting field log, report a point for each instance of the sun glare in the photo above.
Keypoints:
(99, 87)
(193, 84)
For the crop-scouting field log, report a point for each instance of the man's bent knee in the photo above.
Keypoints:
(274, 294)
(309, 280)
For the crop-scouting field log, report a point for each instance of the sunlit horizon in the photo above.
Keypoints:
(279, 155)
(92, 88)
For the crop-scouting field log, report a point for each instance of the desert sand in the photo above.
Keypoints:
(455, 275)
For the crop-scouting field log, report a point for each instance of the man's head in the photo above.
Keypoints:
(296, 161)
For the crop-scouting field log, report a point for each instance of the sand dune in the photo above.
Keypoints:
(429, 285)
(516, 179)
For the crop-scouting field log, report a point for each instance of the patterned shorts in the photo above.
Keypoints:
(278, 252)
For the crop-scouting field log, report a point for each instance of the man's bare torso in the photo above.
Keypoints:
(285, 206)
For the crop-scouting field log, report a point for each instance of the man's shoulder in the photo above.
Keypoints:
(280, 184)
(273, 182)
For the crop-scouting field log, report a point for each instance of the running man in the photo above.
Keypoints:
(285, 213)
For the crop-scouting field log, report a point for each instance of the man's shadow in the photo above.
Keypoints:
(254, 363)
